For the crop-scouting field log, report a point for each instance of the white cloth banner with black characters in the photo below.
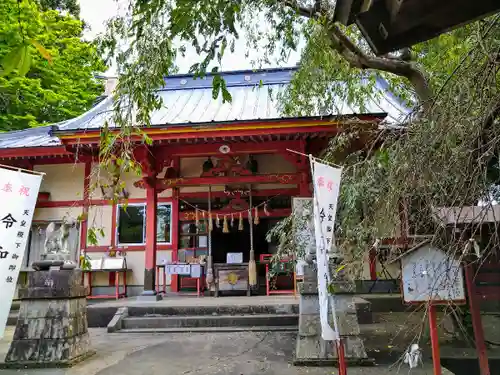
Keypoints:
(18, 194)
(326, 181)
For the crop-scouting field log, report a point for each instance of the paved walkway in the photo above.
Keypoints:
(196, 354)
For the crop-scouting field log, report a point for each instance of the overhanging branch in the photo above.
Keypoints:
(357, 58)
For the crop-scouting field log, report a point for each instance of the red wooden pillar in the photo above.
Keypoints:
(436, 358)
(174, 283)
(477, 323)
(150, 253)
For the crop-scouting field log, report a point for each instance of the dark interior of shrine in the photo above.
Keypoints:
(238, 241)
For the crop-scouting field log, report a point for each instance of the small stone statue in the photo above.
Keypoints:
(56, 252)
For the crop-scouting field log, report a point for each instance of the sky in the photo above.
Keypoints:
(96, 12)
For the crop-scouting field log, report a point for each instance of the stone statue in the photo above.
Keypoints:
(56, 251)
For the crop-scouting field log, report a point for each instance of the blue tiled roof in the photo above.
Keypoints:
(187, 100)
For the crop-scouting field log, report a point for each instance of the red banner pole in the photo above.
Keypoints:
(341, 355)
(436, 358)
(477, 324)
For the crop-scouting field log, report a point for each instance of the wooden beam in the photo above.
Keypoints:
(236, 148)
(33, 152)
(255, 193)
(277, 178)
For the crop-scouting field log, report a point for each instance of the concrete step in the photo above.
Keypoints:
(259, 320)
(211, 329)
(196, 310)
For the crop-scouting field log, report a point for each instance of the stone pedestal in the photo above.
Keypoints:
(311, 348)
(52, 328)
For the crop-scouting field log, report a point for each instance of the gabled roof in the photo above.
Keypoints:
(188, 101)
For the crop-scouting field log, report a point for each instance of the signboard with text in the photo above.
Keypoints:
(326, 180)
(18, 194)
(429, 274)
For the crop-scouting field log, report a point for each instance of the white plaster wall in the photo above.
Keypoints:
(135, 263)
(268, 163)
(274, 163)
(99, 175)
(164, 256)
(192, 167)
(135, 192)
(203, 189)
(101, 217)
(64, 182)
(57, 213)
(167, 193)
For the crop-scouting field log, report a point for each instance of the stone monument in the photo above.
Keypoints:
(311, 349)
(52, 328)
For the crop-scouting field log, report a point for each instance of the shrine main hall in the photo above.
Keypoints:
(216, 177)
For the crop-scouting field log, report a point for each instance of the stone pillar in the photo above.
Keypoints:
(52, 328)
(311, 348)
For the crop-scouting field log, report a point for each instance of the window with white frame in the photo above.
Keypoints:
(164, 223)
(131, 224)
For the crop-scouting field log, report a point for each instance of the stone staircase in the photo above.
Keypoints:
(205, 319)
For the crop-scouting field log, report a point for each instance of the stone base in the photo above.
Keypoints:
(52, 328)
(38, 365)
(314, 351)
(311, 348)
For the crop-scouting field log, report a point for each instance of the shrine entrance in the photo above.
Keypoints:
(231, 228)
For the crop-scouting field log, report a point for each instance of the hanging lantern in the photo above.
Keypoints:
(240, 224)
(266, 211)
(217, 221)
(232, 220)
(197, 218)
(225, 227)
(256, 220)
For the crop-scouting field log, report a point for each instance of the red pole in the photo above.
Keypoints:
(436, 358)
(373, 264)
(341, 355)
(150, 251)
(476, 322)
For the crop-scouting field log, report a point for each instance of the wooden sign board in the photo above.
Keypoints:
(196, 270)
(430, 275)
(178, 269)
(113, 263)
(234, 258)
(96, 264)
(233, 279)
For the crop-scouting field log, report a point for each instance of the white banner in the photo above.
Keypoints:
(18, 194)
(326, 180)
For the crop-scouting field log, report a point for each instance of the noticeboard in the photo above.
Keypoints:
(430, 275)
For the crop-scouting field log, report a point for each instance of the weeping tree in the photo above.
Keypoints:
(442, 154)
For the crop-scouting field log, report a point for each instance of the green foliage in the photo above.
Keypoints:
(48, 70)
(70, 6)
